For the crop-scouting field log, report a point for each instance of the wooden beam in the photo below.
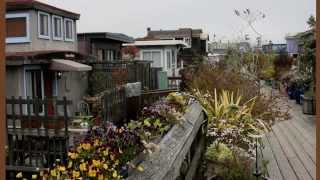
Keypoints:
(318, 89)
(2, 92)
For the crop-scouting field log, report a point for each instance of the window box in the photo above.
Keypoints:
(43, 25)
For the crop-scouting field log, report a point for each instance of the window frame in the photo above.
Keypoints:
(26, 39)
(162, 63)
(53, 28)
(49, 26)
(25, 71)
(65, 29)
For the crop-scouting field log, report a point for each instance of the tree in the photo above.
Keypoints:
(311, 22)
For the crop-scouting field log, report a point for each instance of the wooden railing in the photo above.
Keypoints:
(180, 152)
(37, 133)
(149, 97)
(174, 82)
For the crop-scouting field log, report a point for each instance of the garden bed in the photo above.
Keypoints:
(174, 147)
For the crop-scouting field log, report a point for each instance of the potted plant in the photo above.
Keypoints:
(308, 102)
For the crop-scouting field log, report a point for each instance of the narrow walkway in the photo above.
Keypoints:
(290, 148)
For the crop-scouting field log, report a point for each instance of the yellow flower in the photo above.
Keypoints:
(70, 164)
(62, 168)
(112, 157)
(92, 173)
(140, 168)
(19, 175)
(96, 163)
(105, 166)
(53, 172)
(73, 155)
(116, 162)
(83, 167)
(96, 143)
(100, 177)
(75, 174)
(106, 152)
(86, 146)
(79, 148)
(34, 176)
(114, 174)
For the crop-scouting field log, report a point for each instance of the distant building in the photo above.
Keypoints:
(195, 39)
(104, 46)
(274, 48)
(163, 54)
(219, 49)
(292, 45)
(41, 52)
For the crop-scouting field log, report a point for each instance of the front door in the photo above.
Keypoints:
(49, 79)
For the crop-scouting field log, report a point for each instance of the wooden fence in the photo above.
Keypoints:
(37, 133)
(114, 106)
(114, 74)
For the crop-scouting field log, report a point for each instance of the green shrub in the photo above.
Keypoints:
(218, 152)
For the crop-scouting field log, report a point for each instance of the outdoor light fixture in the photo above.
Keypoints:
(59, 75)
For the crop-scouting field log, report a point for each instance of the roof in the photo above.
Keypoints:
(158, 43)
(108, 35)
(18, 5)
(43, 55)
(182, 32)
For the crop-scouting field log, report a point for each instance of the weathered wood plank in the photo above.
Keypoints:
(174, 147)
(311, 150)
(301, 154)
(282, 161)
(292, 157)
(273, 169)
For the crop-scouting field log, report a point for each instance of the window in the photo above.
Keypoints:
(169, 59)
(68, 30)
(43, 25)
(154, 56)
(57, 27)
(174, 59)
(34, 86)
(110, 55)
(17, 28)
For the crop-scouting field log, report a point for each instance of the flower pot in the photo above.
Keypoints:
(25, 123)
(291, 94)
(54, 124)
(308, 105)
(298, 94)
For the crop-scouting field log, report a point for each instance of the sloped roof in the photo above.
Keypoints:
(17, 5)
(157, 43)
(108, 35)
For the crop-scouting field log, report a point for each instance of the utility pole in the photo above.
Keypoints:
(3, 131)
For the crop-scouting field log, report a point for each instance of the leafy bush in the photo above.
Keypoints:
(158, 118)
(101, 155)
(218, 152)
(230, 122)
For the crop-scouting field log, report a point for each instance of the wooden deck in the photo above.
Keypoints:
(290, 148)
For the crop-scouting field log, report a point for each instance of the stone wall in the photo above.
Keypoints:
(180, 150)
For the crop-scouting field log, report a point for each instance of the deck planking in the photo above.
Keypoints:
(290, 147)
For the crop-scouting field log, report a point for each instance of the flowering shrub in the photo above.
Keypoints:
(107, 151)
(229, 122)
(157, 119)
(101, 155)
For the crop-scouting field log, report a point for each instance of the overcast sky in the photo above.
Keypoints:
(132, 17)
